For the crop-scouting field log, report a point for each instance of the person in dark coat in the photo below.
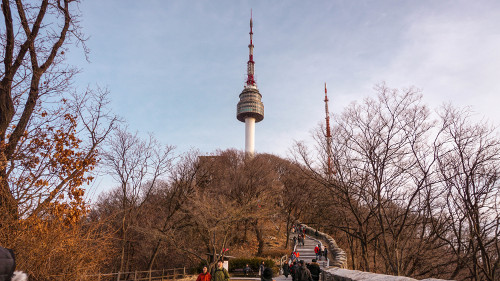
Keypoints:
(7, 264)
(286, 269)
(303, 274)
(247, 270)
(261, 269)
(293, 270)
(314, 269)
(267, 275)
(8, 267)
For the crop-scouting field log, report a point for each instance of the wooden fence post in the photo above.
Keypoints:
(118, 276)
(184, 272)
(174, 274)
(150, 274)
(135, 275)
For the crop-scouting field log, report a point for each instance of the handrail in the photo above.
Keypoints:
(158, 274)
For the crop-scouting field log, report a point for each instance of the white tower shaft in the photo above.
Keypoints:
(249, 135)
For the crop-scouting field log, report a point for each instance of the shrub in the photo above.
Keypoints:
(276, 253)
(254, 263)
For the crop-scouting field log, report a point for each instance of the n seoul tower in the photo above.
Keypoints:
(250, 108)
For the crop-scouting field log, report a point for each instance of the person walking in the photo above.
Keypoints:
(220, 273)
(204, 276)
(303, 274)
(261, 269)
(316, 250)
(286, 269)
(325, 253)
(293, 270)
(314, 269)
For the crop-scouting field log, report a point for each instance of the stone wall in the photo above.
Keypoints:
(338, 261)
(340, 274)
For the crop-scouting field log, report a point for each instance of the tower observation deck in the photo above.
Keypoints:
(250, 108)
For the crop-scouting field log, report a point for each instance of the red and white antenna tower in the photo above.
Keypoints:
(330, 170)
(251, 63)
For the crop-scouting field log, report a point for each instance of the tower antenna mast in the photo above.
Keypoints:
(251, 63)
(328, 136)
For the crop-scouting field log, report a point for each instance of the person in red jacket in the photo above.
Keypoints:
(317, 251)
(204, 276)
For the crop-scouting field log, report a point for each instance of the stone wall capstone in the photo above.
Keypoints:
(341, 274)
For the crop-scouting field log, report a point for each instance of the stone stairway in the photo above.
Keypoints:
(306, 252)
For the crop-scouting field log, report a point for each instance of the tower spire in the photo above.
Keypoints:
(251, 63)
(328, 136)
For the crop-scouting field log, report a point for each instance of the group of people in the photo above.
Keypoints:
(298, 229)
(301, 234)
(219, 273)
(302, 271)
(321, 251)
(299, 239)
(298, 269)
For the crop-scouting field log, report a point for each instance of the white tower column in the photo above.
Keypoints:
(249, 135)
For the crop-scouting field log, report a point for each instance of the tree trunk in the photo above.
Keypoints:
(8, 204)
(260, 238)
(287, 230)
(153, 256)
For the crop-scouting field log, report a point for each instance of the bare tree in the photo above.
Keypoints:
(469, 167)
(383, 158)
(138, 166)
(165, 208)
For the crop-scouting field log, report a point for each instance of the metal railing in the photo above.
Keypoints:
(148, 275)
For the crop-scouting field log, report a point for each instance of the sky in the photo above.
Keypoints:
(175, 68)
